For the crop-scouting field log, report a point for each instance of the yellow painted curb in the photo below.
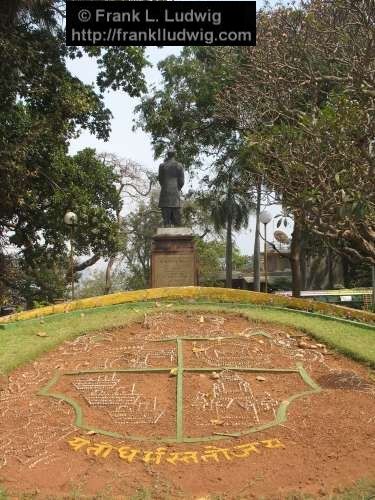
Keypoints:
(195, 292)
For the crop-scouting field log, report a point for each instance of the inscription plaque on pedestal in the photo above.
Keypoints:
(174, 270)
(173, 259)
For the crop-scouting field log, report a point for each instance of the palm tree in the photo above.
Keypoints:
(230, 208)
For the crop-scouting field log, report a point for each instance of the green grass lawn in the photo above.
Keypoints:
(354, 340)
(20, 343)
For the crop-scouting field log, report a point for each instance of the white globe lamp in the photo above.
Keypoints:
(70, 218)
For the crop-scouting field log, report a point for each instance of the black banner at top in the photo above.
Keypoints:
(113, 23)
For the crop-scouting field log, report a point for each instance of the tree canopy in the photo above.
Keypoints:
(305, 98)
(42, 107)
(182, 112)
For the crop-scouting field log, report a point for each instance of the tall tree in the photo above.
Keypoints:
(133, 182)
(309, 108)
(80, 183)
(42, 107)
(139, 227)
(229, 205)
(183, 113)
(211, 253)
(232, 213)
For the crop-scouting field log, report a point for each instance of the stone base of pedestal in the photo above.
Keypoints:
(173, 258)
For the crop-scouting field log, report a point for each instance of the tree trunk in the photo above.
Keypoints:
(108, 281)
(303, 266)
(9, 10)
(330, 268)
(229, 248)
(303, 261)
(2, 277)
(108, 272)
(295, 260)
(256, 261)
(83, 265)
(346, 271)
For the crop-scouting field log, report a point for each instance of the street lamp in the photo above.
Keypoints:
(265, 217)
(70, 218)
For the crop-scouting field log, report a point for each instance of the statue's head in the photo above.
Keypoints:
(171, 153)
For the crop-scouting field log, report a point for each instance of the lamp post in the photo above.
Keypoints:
(265, 217)
(70, 218)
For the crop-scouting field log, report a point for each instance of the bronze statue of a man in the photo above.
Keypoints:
(171, 179)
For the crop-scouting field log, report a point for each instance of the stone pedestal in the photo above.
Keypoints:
(173, 258)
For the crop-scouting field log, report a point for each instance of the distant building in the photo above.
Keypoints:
(278, 271)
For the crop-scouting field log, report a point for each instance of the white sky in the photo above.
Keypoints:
(136, 145)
